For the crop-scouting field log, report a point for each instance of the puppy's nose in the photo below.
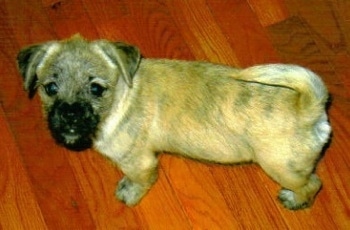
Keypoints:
(71, 112)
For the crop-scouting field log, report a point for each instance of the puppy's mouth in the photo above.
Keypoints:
(73, 125)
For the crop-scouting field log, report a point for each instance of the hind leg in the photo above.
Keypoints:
(292, 166)
(299, 187)
(300, 184)
(300, 197)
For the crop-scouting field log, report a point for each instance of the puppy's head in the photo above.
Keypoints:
(77, 81)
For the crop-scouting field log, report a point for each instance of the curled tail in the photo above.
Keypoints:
(313, 92)
(311, 88)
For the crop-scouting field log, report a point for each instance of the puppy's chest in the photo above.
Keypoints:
(116, 137)
(113, 147)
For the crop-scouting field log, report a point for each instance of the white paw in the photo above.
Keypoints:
(129, 192)
(288, 199)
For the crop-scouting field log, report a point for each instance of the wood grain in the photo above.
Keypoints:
(19, 207)
(44, 186)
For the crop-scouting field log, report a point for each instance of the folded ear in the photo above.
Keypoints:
(28, 60)
(126, 57)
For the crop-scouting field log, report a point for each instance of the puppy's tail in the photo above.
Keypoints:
(313, 93)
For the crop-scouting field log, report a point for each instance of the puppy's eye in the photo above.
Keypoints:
(51, 89)
(96, 89)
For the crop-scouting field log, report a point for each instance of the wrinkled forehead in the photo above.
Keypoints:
(79, 60)
(76, 59)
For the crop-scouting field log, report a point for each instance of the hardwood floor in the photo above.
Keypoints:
(44, 186)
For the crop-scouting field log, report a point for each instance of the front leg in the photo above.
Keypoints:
(140, 174)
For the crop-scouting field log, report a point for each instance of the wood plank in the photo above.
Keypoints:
(269, 11)
(195, 187)
(161, 208)
(244, 188)
(201, 32)
(156, 33)
(19, 208)
(327, 19)
(68, 18)
(97, 179)
(27, 21)
(147, 24)
(54, 184)
(295, 43)
(248, 39)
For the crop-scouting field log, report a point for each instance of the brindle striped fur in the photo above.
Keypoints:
(273, 115)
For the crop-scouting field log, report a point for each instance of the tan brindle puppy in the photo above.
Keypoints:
(103, 94)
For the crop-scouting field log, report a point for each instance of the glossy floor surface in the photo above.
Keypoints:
(44, 186)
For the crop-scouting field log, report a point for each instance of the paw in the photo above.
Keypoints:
(289, 200)
(130, 192)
